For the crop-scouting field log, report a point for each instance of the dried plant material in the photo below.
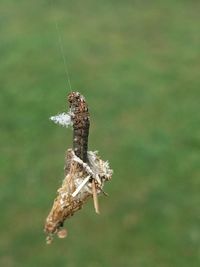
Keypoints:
(95, 198)
(67, 203)
(85, 171)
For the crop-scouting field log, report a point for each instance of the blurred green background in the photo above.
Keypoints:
(138, 65)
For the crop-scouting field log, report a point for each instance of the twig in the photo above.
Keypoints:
(78, 189)
(95, 198)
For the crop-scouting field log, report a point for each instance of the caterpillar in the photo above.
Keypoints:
(81, 123)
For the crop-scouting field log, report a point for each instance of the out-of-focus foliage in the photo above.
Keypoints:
(138, 65)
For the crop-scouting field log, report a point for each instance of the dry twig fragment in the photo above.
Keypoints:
(95, 198)
(85, 171)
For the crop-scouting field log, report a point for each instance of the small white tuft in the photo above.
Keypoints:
(63, 119)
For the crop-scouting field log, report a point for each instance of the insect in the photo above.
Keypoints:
(81, 124)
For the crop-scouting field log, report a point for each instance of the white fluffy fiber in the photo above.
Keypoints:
(63, 119)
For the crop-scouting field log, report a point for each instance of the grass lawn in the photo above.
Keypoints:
(138, 64)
